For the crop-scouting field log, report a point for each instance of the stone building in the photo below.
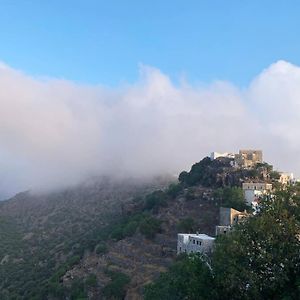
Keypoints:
(194, 243)
(228, 218)
(254, 190)
(248, 158)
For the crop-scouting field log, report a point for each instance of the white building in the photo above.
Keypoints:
(215, 155)
(192, 243)
(286, 178)
(254, 190)
(223, 229)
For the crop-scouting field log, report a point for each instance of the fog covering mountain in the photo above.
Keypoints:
(43, 235)
(55, 133)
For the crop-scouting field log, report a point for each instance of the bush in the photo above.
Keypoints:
(116, 289)
(117, 233)
(232, 197)
(149, 227)
(155, 200)
(101, 248)
(187, 225)
(91, 280)
(174, 189)
(130, 228)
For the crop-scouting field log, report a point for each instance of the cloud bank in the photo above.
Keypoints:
(55, 132)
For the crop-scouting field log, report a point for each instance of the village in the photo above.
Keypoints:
(253, 192)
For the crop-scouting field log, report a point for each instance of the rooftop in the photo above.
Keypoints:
(199, 236)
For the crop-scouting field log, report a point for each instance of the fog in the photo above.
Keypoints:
(54, 132)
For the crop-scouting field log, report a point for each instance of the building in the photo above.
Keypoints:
(286, 178)
(194, 243)
(223, 229)
(254, 190)
(215, 155)
(228, 218)
(248, 158)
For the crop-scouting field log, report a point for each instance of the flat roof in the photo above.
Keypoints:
(199, 236)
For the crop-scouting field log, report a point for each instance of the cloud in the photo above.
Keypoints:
(55, 132)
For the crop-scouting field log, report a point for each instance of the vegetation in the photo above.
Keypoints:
(39, 247)
(188, 278)
(149, 227)
(187, 225)
(101, 248)
(174, 189)
(258, 260)
(231, 197)
(155, 200)
(197, 174)
(116, 288)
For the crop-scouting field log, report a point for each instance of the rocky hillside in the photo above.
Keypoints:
(105, 239)
(143, 257)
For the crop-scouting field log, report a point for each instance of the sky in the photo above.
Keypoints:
(104, 42)
(140, 88)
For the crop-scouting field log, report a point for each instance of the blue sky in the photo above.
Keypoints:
(105, 41)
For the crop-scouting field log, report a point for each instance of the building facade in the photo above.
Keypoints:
(194, 243)
(286, 178)
(228, 218)
(248, 158)
(254, 190)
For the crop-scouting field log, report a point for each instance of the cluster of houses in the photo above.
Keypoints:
(229, 217)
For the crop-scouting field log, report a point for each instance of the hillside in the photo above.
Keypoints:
(106, 239)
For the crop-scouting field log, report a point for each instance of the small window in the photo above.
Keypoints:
(193, 241)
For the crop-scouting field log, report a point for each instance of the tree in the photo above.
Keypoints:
(231, 197)
(189, 278)
(260, 259)
(149, 227)
(187, 225)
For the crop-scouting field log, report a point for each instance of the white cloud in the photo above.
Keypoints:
(55, 132)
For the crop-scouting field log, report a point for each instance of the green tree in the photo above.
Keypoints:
(260, 259)
(116, 288)
(155, 200)
(231, 197)
(149, 227)
(189, 278)
(174, 189)
(187, 225)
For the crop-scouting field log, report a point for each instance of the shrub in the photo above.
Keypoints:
(149, 227)
(116, 289)
(187, 225)
(101, 248)
(91, 280)
(174, 189)
(155, 200)
(130, 228)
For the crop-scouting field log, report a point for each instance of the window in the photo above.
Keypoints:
(193, 241)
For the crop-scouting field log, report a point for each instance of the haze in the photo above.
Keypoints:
(55, 132)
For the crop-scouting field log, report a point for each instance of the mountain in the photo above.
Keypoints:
(106, 239)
